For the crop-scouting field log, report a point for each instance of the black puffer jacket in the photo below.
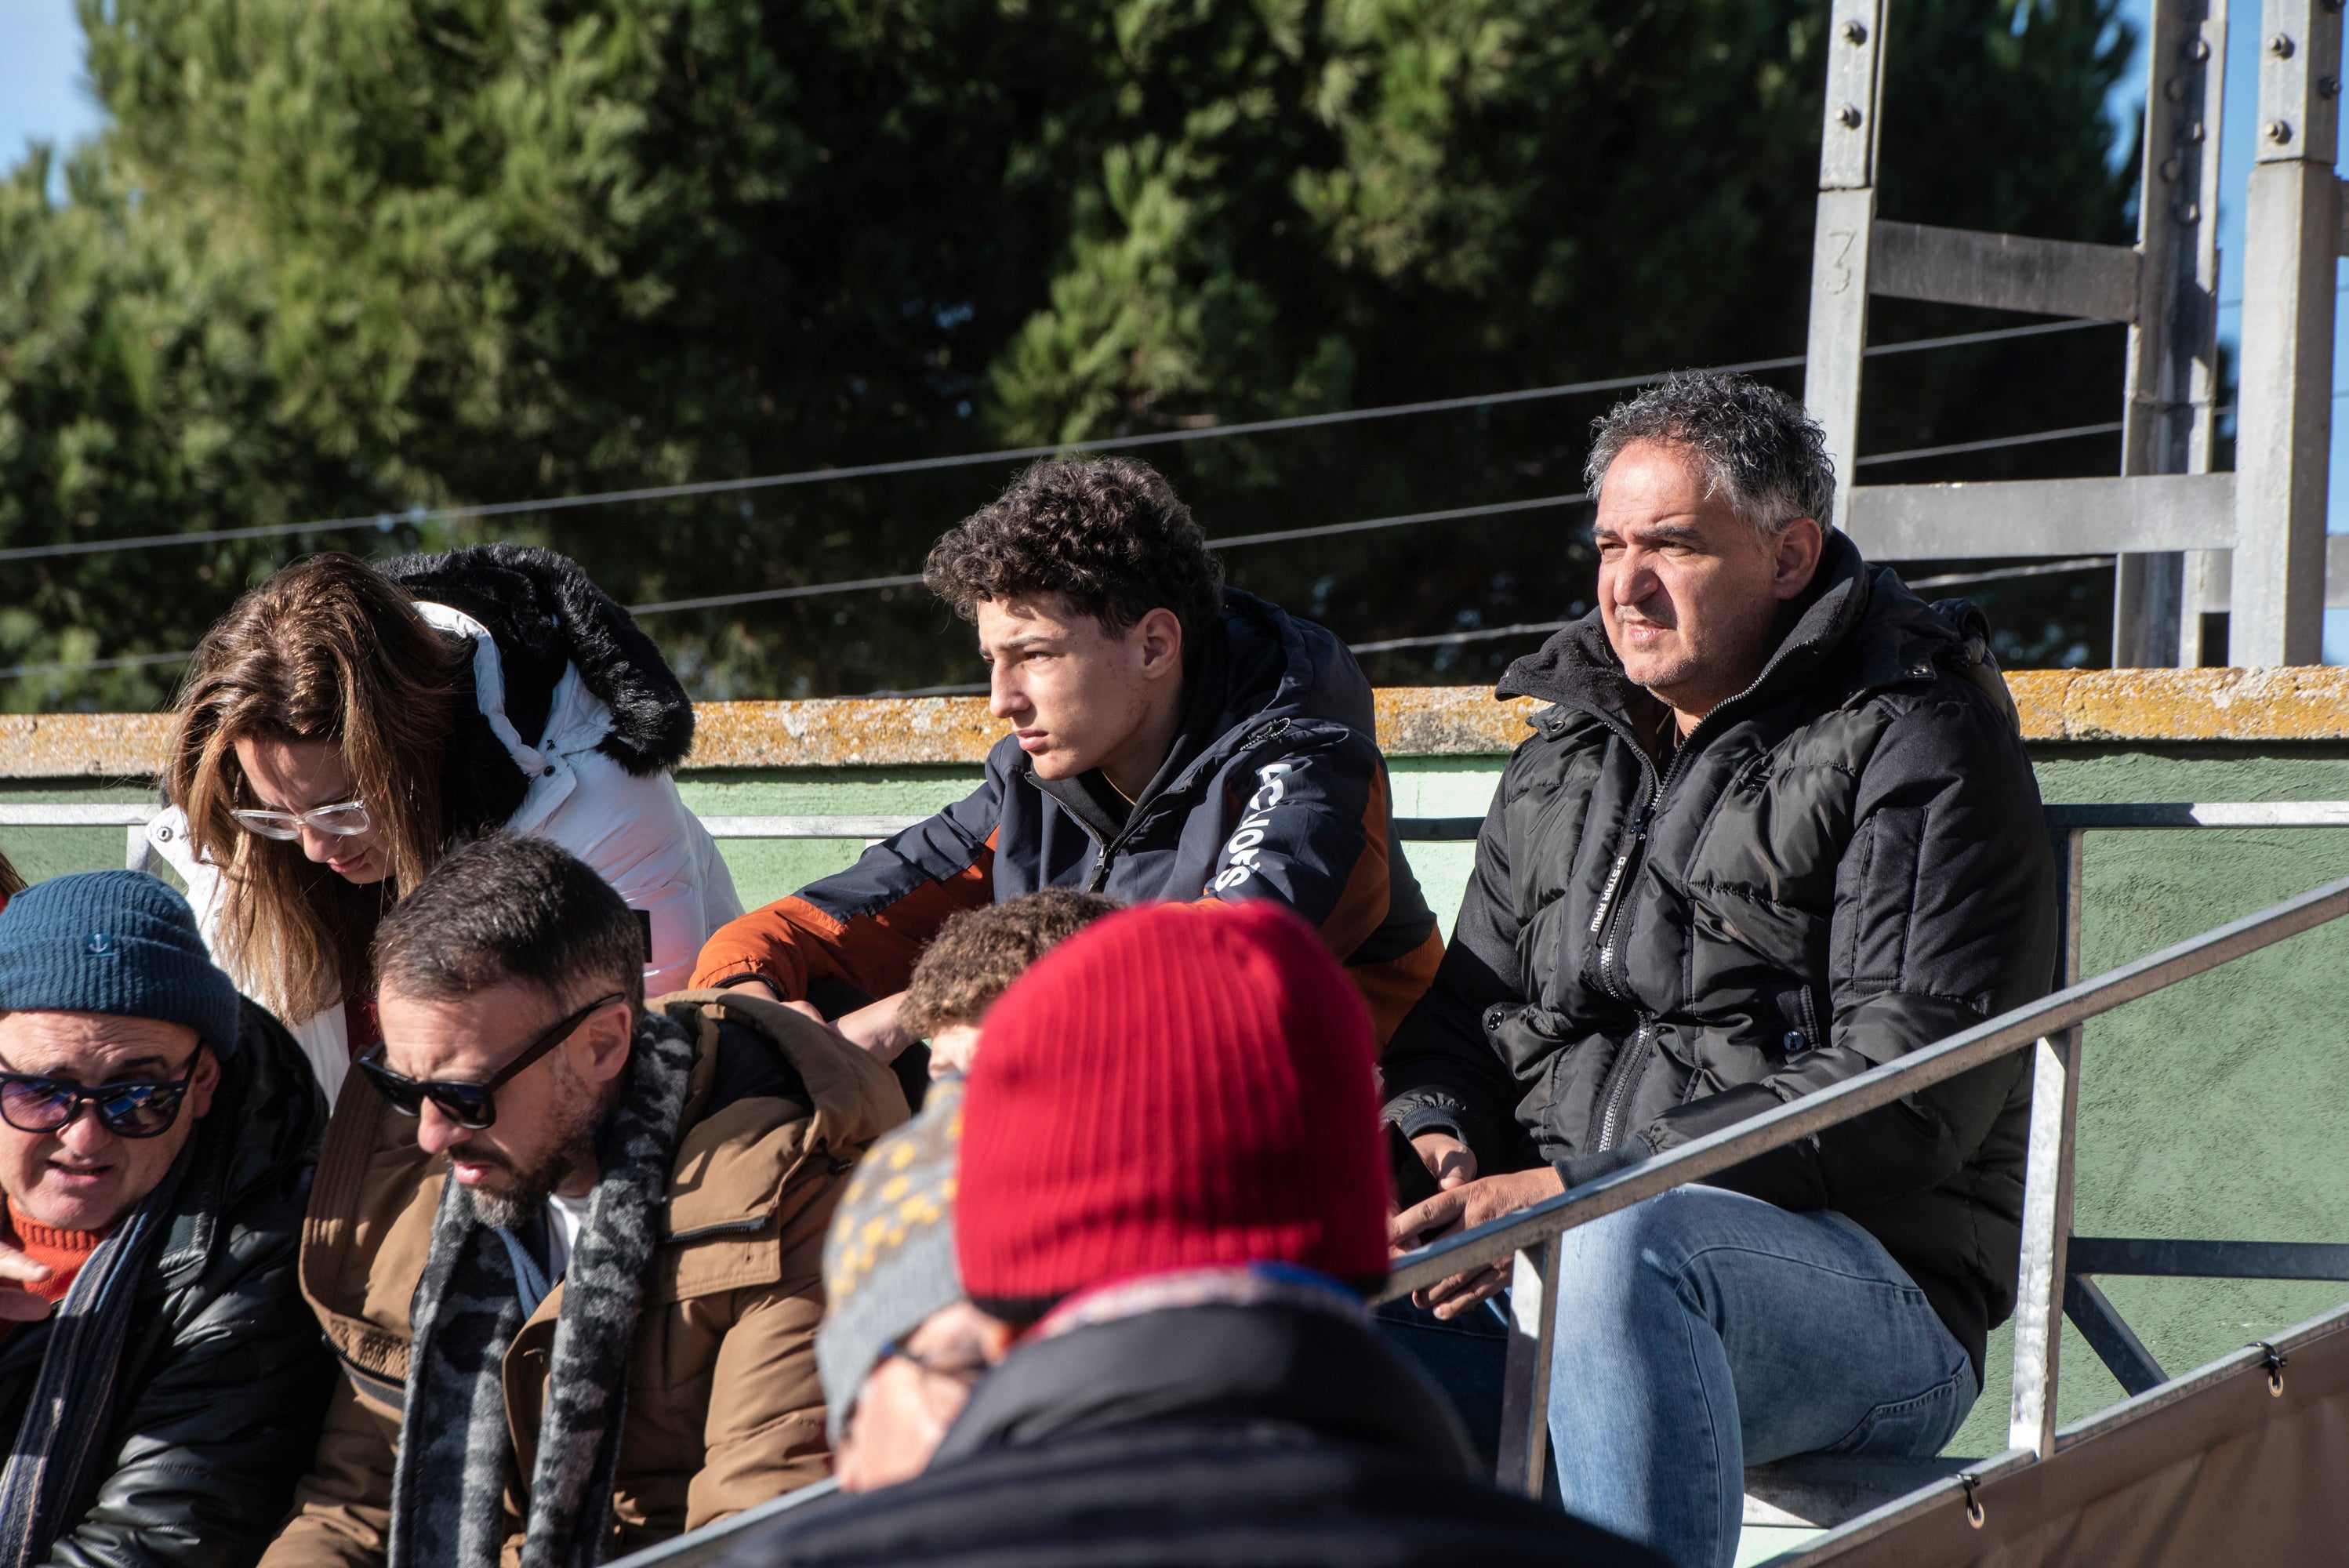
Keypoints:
(1842, 865)
(223, 1383)
(1230, 1435)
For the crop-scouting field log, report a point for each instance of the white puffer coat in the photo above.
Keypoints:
(630, 825)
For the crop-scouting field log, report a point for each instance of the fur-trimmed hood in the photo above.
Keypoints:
(544, 614)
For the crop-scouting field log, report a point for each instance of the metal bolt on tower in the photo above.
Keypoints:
(2191, 543)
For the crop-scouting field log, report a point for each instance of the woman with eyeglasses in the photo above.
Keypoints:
(345, 724)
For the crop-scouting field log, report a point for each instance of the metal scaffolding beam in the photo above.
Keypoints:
(2191, 546)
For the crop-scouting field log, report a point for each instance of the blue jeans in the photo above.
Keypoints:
(1703, 1330)
(1468, 1357)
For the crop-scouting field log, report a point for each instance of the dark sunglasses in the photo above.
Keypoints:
(473, 1105)
(30, 1102)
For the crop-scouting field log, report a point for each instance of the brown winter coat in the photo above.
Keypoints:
(724, 1409)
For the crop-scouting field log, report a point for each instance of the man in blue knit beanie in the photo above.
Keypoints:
(161, 1384)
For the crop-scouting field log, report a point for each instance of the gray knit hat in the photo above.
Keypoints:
(114, 942)
(889, 1261)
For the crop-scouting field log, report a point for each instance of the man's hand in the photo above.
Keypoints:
(18, 1304)
(1452, 1162)
(1464, 1208)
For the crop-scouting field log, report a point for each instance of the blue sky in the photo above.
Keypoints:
(2234, 172)
(41, 91)
(42, 95)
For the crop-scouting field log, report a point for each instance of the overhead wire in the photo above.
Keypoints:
(385, 522)
(815, 590)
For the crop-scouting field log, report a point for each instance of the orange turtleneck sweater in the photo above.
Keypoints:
(63, 1251)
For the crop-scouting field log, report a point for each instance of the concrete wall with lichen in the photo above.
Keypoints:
(2212, 1110)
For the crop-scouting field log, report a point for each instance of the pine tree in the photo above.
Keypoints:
(335, 261)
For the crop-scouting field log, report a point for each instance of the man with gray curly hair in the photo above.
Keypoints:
(1774, 827)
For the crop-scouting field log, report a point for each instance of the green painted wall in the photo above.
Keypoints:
(2212, 1110)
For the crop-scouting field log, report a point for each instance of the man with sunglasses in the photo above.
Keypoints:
(161, 1382)
(568, 1247)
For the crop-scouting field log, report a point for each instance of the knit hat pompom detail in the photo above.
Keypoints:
(121, 942)
(1176, 1085)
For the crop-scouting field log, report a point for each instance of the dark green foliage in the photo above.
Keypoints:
(333, 259)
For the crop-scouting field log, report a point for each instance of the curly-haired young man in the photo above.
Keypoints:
(1172, 738)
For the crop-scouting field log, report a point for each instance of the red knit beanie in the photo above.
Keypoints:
(1176, 1085)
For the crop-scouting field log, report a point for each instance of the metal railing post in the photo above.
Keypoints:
(2174, 342)
(2291, 238)
(1524, 1466)
(2047, 1190)
(1845, 231)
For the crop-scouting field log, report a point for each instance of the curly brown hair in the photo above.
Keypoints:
(1108, 535)
(978, 954)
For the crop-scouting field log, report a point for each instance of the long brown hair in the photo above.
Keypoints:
(327, 650)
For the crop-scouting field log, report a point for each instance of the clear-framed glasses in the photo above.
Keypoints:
(344, 819)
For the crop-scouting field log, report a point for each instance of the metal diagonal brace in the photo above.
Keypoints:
(2110, 1336)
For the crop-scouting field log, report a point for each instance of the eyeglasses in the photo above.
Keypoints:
(344, 819)
(33, 1102)
(471, 1106)
(969, 1371)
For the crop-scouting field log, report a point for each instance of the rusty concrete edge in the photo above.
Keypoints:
(2057, 705)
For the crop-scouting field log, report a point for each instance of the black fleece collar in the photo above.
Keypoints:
(1212, 1366)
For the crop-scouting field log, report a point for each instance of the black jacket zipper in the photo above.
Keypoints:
(1631, 1062)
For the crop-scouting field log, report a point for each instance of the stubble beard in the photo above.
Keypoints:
(525, 1198)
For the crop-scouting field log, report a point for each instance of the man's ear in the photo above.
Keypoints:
(1158, 636)
(1797, 550)
(201, 1085)
(607, 1035)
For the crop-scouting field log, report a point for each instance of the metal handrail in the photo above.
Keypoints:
(2010, 1032)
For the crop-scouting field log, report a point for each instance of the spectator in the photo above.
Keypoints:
(160, 1380)
(975, 958)
(1172, 1190)
(601, 1234)
(366, 718)
(900, 1348)
(1172, 738)
(1775, 827)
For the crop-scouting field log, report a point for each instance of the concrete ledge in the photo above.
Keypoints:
(2255, 705)
(2309, 703)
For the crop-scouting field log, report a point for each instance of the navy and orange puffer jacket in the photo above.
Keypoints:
(1275, 788)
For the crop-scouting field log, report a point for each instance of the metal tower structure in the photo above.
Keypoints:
(2191, 543)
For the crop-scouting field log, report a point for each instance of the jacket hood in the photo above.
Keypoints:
(544, 614)
(854, 1097)
(1223, 1364)
(1865, 616)
(1277, 667)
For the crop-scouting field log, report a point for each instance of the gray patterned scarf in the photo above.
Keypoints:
(448, 1493)
(68, 1417)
